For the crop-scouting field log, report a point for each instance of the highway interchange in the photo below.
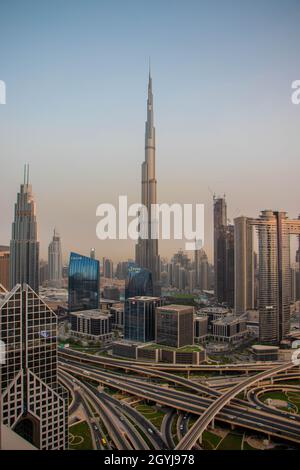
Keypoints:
(236, 402)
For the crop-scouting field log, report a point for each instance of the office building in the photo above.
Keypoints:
(24, 247)
(138, 282)
(229, 329)
(84, 283)
(139, 320)
(34, 405)
(220, 223)
(174, 325)
(117, 316)
(111, 292)
(107, 268)
(147, 248)
(223, 254)
(92, 325)
(55, 262)
(200, 327)
(230, 278)
(202, 269)
(265, 353)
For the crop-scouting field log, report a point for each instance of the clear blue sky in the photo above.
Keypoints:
(76, 76)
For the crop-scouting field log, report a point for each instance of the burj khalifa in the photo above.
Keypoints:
(147, 248)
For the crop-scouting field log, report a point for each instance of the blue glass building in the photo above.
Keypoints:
(138, 282)
(84, 283)
(139, 319)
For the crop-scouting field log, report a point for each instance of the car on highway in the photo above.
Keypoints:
(150, 430)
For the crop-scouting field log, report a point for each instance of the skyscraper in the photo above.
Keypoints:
(139, 318)
(244, 265)
(274, 276)
(107, 268)
(24, 247)
(230, 266)
(220, 222)
(138, 282)
(274, 230)
(201, 268)
(147, 248)
(55, 261)
(223, 254)
(84, 283)
(33, 403)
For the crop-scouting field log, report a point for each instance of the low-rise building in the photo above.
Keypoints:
(200, 328)
(117, 316)
(265, 353)
(230, 328)
(93, 325)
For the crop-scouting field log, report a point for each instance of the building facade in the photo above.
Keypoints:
(4, 266)
(55, 261)
(84, 283)
(147, 248)
(274, 271)
(138, 282)
(24, 246)
(91, 325)
(139, 319)
(244, 266)
(33, 403)
(174, 326)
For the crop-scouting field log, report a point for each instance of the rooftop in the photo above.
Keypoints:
(262, 347)
(227, 320)
(176, 308)
(188, 348)
(144, 298)
(218, 310)
(109, 301)
(94, 314)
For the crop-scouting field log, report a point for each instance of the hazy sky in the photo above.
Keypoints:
(76, 76)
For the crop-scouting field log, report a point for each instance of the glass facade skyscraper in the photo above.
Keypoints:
(139, 321)
(84, 283)
(138, 282)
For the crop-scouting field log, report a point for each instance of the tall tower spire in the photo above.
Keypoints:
(24, 246)
(147, 249)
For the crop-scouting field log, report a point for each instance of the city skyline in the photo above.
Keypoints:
(222, 102)
(161, 138)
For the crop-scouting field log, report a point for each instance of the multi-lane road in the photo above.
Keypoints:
(190, 397)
